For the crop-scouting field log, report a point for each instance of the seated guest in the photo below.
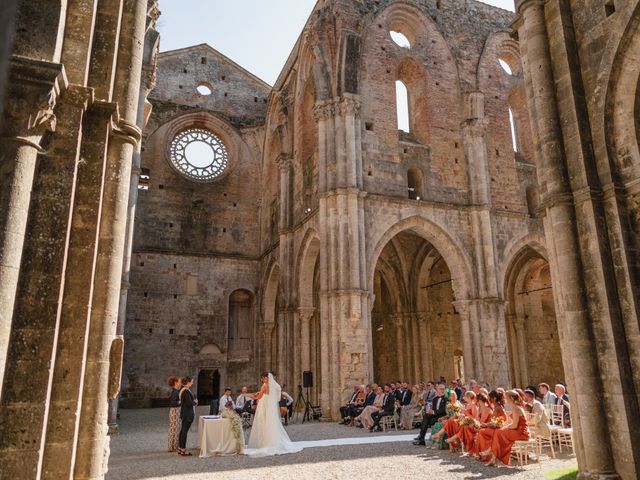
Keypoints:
(453, 426)
(410, 409)
(344, 410)
(469, 432)
(224, 399)
(505, 437)
(456, 386)
(406, 395)
(243, 402)
(422, 391)
(475, 388)
(431, 392)
(431, 415)
(540, 424)
(548, 397)
(563, 399)
(453, 408)
(388, 408)
(484, 438)
(371, 395)
(365, 417)
(358, 405)
(286, 406)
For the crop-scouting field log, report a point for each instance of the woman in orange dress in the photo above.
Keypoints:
(453, 426)
(484, 438)
(484, 412)
(504, 438)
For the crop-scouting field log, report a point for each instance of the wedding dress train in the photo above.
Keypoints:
(268, 436)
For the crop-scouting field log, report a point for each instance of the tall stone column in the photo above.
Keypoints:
(29, 114)
(471, 362)
(521, 345)
(103, 364)
(147, 84)
(287, 369)
(492, 353)
(575, 330)
(31, 359)
(305, 314)
(346, 326)
(68, 375)
(398, 323)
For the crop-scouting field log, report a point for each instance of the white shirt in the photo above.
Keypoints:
(223, 402)
(288, 397)
(241, 401)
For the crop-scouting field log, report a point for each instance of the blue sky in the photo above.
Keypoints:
(256, 34)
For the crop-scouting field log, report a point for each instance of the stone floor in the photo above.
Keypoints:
(139, 452)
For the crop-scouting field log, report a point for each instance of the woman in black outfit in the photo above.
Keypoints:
(174, 413)
(187, 414)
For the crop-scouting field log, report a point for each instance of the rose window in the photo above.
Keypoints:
(199, 154)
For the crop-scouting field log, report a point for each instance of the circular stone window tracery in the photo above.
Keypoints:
(199, 154)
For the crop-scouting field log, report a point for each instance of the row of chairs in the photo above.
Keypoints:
(560, 435)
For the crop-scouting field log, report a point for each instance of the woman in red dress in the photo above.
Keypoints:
(453, 427)
(504, 438)
(484, 438)
(468, 432)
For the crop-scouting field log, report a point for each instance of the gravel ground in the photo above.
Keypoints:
(139, 452)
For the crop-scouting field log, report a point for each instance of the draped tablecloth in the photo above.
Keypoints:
(216, 437)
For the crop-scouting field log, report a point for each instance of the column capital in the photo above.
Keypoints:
(324, 110)
(34, 90)
(473, 128)
(306, 313)
(284, 162)
(522, 5)
(349, 106)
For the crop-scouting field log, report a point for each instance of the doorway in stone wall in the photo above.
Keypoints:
(208, 385)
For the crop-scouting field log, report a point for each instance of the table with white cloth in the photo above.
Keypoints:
(216, 437)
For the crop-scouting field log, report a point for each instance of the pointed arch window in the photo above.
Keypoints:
(402, 106)
(514, 131)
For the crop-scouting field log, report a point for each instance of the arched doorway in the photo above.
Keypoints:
(534, 346)
(415, 327)
(208, 385)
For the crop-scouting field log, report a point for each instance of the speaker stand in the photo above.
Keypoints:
(301, 400)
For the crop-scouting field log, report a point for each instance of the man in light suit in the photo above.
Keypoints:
(540, 425)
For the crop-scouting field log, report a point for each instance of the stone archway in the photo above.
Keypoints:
(534, 346)
(308, 352)
(415, 326)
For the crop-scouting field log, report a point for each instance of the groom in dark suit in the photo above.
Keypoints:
(430, 417)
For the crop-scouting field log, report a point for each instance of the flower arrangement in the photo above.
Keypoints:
(471, 422)
(496, 422)
(236, 426)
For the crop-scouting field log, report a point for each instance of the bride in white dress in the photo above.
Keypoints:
(268, 436)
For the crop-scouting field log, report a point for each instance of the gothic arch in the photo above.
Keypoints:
(531, 317)
(306, 264)
(531, 241)
(458, 262)
(622, 105)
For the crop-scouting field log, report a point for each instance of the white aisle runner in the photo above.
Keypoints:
(332, 442)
